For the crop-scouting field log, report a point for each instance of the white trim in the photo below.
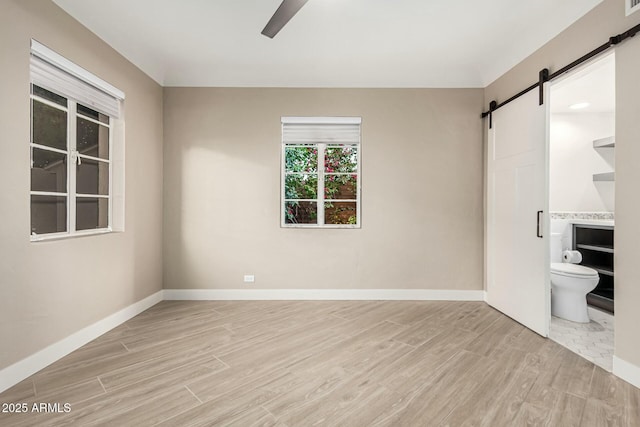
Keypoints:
(324, 294)
(48, 193)
(630, 9)
(65, 235)
(91, 196)
(322, 120)
(627, 371)
(321, 196)
(28, 366)
(51, 104)
(92, 120)
(43, 52)
(47, 148)
(72, 166)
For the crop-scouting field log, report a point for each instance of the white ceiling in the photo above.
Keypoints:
(594, 84)
(329, 43)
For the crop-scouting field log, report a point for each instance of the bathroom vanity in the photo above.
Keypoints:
(595, 243)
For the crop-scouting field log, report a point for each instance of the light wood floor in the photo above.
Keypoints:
(332, 363)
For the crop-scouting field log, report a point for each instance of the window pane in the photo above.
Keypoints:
(92, 177)
(301, 159)
(341, 159)
(301, 187)
(92, 213)
(49, 96)
(93, 139)
(88, 112)
(49, 126)
(48, 171)
(48, 214)
(341, 187)
(340, 213)
(301, 213)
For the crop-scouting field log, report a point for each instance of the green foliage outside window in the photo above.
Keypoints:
(340, 183)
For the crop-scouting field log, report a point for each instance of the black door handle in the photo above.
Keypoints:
(538, 233)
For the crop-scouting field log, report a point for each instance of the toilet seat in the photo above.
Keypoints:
(572, 270)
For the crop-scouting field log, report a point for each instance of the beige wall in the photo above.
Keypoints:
(49, 290)
(627, 234)
(421, 191)
(591, 31)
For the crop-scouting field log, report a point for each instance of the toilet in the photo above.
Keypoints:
(570, 284)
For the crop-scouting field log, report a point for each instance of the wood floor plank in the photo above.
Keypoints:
(439, 392)
(542, 393)
(163, 365)
(598, 413)
(501, 330)
(631, 405)
(229, 406)
(526, 340)
(337, 363)
(574, 375)
(48, 381)
(418, 333)
(152, 411)
(497, 399)
(74, 393)
(368, 358)
(22, 391)
(255, 417)
(567, 411)
(503, 411)
(349, 397)
(419, 312)
(531, 416)
(305, 392)
(479, 319)
(606, 387)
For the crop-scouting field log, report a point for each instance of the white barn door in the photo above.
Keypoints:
(517, 212)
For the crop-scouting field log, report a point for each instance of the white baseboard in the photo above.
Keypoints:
(324, 294)
(28, 366)
(627, 371)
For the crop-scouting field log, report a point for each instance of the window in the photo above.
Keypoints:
(321, 172)
(73, 123)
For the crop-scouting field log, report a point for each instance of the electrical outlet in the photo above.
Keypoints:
(249, 278)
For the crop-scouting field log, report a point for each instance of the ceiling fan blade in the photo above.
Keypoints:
(285, 12)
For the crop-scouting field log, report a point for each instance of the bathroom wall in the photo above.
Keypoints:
(573, 161)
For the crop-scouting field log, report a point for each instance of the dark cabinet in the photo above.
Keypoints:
(595, 243)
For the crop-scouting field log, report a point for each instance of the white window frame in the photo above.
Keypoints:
(321, 147)
(631, 7)
(116, 136)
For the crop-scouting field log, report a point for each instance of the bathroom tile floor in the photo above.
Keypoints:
(593, 340)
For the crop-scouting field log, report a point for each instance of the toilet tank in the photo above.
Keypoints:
(556, 247)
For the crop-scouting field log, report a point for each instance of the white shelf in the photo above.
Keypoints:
(608, 142)
(597, 248)
(607, 176)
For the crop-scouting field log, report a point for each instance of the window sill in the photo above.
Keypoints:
(64, 236)
(321, 227)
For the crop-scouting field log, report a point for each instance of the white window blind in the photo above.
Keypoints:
(307, 130)
(53, 72)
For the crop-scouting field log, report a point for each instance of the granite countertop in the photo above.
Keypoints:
(586, 218)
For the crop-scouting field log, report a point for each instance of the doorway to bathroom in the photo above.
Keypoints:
(581, 210)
